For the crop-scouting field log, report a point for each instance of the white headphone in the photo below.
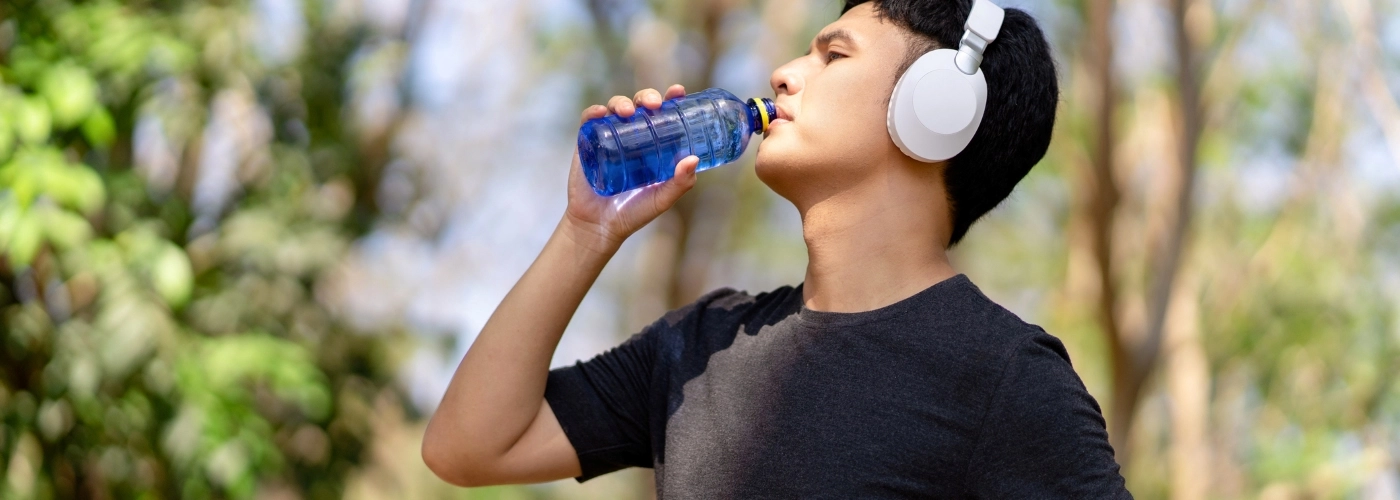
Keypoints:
(938, 102)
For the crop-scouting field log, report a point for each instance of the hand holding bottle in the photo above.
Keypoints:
(602, 223)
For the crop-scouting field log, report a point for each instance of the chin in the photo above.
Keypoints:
(769, 164)
(782, 171)
(803, 174)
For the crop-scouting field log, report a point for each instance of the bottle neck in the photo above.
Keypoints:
(762, 112)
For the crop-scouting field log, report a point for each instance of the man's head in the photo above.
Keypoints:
(836, 97)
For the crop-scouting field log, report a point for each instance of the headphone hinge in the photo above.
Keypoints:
(970, 50)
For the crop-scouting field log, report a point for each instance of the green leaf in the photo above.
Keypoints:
(99, 128)
(75, 186)
(7, 135)
(32, 120)
(65, 229)
(24, 242)
(172, 275)
(287, 367)
(36, 171)
(10, 214)
(71, 93)
(22, 179)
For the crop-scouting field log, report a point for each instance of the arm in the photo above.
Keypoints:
(493, 425)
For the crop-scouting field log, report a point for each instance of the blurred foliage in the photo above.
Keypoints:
(159, 341)
(174, 184)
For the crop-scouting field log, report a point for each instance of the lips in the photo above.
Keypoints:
(783, 116)
(783, 113)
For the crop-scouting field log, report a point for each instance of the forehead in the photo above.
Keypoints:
(865, 27)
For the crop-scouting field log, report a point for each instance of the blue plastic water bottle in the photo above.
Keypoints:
(619, 154)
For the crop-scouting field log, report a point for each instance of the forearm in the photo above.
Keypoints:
(497, 389)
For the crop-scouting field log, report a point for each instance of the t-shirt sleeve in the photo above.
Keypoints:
(1044, 435)
(602, 405)
(605, 405)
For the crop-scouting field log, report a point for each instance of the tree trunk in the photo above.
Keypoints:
(1098, 211)
(1188, 387)
(1135, 348)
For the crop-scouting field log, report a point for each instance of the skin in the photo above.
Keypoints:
(875, 221)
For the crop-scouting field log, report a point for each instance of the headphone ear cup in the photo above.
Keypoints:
(944, 101)
(936, 108)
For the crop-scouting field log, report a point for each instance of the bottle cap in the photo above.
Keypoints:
(766, 112)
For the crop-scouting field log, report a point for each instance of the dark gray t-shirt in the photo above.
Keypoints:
(942, 394)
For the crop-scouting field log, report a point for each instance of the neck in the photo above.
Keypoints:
(876, 243)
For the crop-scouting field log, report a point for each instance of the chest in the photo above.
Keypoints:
(782, 412)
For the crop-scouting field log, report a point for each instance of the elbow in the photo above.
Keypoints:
(449, 464)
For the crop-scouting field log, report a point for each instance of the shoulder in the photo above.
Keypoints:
(1031, 368)
(997, 335)
(729, 303)
(716, 317)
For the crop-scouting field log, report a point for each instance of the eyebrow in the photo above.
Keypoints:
(828, 37)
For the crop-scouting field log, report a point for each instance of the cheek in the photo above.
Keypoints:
(841, 122)
(851, 129)
(847, 110)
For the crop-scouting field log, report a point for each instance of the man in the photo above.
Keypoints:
(885, 373)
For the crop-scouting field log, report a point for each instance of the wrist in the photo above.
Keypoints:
(587, 237)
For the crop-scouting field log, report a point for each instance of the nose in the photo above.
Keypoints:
(786, 79)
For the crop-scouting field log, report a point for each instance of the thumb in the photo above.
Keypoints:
(662, 196)
(681, 181)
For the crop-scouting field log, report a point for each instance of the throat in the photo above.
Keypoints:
(863, 257)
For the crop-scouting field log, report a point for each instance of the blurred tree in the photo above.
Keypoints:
(1095, 212)
(1135, 340)
(1247, 355)
(173, 180)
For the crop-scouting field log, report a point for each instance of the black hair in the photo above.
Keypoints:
(1022, 94)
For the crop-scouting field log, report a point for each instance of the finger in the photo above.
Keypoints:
(661, 197)
(684, 176)
(675, 91)
(621, 106)
(594, 111)
(649, 98)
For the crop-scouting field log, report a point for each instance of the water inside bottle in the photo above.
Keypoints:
(644, 148)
